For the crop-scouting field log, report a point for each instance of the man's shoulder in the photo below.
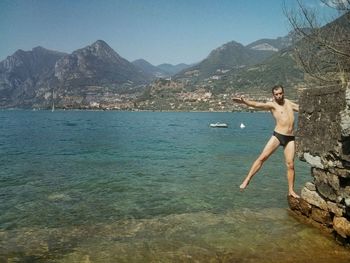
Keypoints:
(289, 102)
(272, 104)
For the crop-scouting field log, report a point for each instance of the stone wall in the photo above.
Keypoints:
(323, 140)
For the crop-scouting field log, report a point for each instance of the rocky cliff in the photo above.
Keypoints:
(24, 73)
(90, 77)
(97, 64)
(323, 140)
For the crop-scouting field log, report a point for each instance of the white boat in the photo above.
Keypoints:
(242, 125)
(218, 125)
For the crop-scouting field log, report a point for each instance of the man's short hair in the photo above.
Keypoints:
(276, 87)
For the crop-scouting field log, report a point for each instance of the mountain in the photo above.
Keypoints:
(324, 54)
(161, 71)
(98, 77)
(230, 56)
(277, 44)
(94, 73)
(23, 73)
(233, 56)
(173, 69)
(280, 68)
(252, 69)
(98, 64)
(149, 69)
(230, 69)
(214, 94)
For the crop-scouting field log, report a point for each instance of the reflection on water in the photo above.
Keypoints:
(235, 236)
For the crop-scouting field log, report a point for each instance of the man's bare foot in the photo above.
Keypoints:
(243, 186)
(293, 194)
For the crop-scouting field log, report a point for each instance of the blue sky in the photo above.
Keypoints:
(160, 31)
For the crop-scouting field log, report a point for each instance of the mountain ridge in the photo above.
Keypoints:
(97, 76)
(229, 56)
(150, 69)
(28, 78)
(98, 60)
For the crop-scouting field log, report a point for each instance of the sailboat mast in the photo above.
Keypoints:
(53, 100)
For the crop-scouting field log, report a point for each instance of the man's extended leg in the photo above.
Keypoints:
(289, 152)
(270, 147)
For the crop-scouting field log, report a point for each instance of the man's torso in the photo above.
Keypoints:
(284, 117)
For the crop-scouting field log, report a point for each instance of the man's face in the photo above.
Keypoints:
(278, 95)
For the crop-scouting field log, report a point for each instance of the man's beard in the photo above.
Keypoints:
(280, 101)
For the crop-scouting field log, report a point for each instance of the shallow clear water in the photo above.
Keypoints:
(84, 186)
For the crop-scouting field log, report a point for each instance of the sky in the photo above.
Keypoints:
(159, 31)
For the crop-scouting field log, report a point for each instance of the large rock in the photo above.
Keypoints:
(314, 161)
(344, 173)
(345, 193)
(345, 116)
(312, 197)
(342, 226)
(310, 186)
(299, 205)
(327, 184)
(324, 127)
(326, 177)
(335, 209)
(323, 140)
(321, 216)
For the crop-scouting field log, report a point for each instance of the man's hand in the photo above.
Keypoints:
(238, 99)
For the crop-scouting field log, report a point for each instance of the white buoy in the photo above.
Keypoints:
(242, 125)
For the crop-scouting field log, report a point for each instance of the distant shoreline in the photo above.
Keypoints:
(124, 110)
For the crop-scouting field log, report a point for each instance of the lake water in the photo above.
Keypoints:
(85, 186)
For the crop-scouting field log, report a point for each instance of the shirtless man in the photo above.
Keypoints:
(283, 112)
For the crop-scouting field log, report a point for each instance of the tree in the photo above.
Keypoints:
(323, 52)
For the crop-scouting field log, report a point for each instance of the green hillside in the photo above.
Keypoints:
(229, 56)
(280, 68)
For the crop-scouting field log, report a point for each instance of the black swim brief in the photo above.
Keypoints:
(284, 139)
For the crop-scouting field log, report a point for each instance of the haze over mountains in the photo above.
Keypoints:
(96, 76)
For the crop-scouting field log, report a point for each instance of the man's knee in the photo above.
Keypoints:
(290, 165)
(262, 158)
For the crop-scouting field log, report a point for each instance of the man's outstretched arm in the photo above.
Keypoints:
(254, 104)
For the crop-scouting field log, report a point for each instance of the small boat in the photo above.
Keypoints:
(218, 125)
(242, 125)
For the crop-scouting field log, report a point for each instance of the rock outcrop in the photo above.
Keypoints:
(323, 140)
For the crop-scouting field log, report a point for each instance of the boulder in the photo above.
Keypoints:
(335, 209)
(300, 205)
(326, 191)
(342, 226)
(312, 197)
(314, 161)
(323, 176)
(321, 216)
(310, 186)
